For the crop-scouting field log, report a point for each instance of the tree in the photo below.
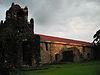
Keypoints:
(97, 45)
(97, 38)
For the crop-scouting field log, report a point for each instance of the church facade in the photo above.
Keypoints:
(20, 46)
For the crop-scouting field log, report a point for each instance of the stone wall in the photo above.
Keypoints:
(50, 50)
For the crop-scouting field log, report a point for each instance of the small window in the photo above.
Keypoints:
(65, 45)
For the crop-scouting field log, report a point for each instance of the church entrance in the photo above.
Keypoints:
(27, 52)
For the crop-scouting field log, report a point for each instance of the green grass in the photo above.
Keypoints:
(85, 68)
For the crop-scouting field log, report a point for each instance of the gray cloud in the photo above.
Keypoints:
(75, 19)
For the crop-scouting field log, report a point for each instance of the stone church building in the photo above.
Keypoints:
(19, 45)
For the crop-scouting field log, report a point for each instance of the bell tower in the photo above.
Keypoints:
(16, 35)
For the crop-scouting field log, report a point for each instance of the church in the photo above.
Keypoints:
(19, 45)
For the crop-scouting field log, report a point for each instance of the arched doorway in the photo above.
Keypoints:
(67, 56)
(27, 52)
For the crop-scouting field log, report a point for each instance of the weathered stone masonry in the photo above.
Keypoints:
(56, 50)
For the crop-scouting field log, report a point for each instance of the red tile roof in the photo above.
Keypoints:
(57, 39)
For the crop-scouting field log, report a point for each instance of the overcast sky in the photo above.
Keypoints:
(72, 19)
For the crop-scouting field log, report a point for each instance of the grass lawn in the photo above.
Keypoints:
(85, 68)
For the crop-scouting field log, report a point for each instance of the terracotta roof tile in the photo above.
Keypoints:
(57, 39)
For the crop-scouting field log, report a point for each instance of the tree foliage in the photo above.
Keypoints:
(97, 38)
(97, 45)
